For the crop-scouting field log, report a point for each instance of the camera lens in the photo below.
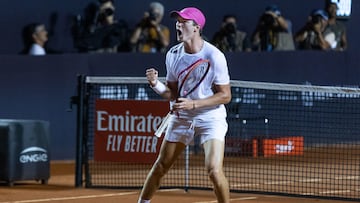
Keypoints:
(153, 15)
(230, 28)
(268, 19)
(108, 12)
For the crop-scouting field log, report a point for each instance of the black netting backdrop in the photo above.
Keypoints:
(283, 139)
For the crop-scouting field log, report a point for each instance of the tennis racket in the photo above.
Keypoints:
(189, 79)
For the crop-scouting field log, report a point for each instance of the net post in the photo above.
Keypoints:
(79, 131)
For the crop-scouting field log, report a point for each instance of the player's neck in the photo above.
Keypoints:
(194, 46)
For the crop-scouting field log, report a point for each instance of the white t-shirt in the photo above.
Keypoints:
(177, 60)
(330, 38)
(36, 50)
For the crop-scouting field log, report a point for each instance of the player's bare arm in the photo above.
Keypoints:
(173, 86)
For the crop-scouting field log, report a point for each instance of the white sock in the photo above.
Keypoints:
(143, 201)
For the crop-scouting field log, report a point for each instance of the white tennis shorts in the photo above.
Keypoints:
(184, 130)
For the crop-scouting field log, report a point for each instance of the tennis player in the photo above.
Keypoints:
(200, 113)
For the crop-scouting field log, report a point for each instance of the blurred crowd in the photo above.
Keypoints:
(98, 31)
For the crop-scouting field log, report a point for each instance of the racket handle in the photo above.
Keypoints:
(165, 122)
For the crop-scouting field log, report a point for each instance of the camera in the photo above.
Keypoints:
(152, 16)
(108, 12)
(147, 21)
(104, 14)
(267, 20)
(230, 28)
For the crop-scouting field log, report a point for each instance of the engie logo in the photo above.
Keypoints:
(33, 154)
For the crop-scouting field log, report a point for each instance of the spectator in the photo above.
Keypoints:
(273, 31)
(99, 31)
(229, 38)
(150, 35)
(337, 27)
(313, 36)
(34, 37)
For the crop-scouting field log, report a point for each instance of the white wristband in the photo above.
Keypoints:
(159, 87)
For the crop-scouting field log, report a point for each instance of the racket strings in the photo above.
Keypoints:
(189, 84)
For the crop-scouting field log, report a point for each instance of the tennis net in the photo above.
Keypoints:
(300, 140)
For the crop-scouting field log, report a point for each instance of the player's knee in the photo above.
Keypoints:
(214, 174)
(160, 169)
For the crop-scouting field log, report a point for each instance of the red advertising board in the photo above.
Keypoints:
(283, 146)
(124, 130)
(267, 147)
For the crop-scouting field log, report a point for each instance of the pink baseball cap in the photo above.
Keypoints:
(190, 13)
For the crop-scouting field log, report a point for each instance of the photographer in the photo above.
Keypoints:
(273, 32)
(337, 26)
(150, 36)
(229, 38)
(313, 36)
(99, 31)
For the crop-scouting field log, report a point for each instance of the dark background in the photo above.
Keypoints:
(40, 87)
(58, 17)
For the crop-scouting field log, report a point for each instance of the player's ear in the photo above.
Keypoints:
(196, 25)
(198, 28)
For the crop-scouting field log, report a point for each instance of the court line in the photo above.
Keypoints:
(347, 178)
(306, 180)
(245, 185)
(73, 198)
(168, 190)
(279, 182)
(310, 180)
(330, 192)
(239, 199)
(86, 196)
(307, 194)
(335, 191)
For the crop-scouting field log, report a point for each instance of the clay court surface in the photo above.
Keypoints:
(60, 188)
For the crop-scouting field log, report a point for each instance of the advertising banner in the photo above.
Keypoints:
(283, 146)
(124, 130)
